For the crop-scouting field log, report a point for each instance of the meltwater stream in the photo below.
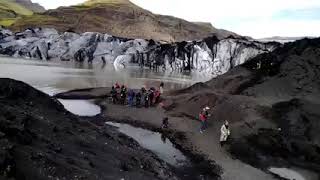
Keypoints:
(155, 142)
(165, 150)
(294, 173)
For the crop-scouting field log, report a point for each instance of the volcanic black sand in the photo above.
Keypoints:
(273, 110)
(41, 140)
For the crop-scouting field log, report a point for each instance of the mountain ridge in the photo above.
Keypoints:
(119, 18)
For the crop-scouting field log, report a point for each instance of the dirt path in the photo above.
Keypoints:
(207, 143)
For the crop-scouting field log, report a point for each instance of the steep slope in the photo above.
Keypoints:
(119, 18)
(272, 103)
(11, 10)
(14, 7)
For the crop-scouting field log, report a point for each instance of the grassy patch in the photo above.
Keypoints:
(12, 6)
(36, 20)
(10, 12)
(81, 7)
(7, 14)
(7, 22)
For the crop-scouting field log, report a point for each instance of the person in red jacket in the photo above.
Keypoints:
(117, 85)
(203, 116)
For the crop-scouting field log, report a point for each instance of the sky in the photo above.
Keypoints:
(255, 18)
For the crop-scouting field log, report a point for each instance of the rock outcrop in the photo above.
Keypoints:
(210, 56)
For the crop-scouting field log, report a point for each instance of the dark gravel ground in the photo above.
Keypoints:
(41, 140)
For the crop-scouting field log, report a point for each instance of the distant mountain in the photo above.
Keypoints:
(119, 18)
(283, 39)
(35, 7)
(11, 10)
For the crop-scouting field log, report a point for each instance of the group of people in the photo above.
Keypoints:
(149, 97)
(144, 97)
(224, 130)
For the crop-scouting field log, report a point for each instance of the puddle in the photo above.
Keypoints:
(155, 142)
(81, 107)
(294, 173)
(77, 107)
(165, 150)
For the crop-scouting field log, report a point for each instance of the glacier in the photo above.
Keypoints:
(211, 55)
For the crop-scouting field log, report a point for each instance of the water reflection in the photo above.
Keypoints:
(81, 107)
(294, 173)
(70, 75)
(154, 142)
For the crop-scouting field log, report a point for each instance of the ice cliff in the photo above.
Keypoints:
(209, 55)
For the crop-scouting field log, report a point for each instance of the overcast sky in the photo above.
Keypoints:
(255, 18)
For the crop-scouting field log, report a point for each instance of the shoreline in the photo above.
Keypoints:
(180, 138)
(189, 141)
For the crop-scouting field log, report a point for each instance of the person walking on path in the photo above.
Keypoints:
(203, 119)
(203, 116)
(225, 133)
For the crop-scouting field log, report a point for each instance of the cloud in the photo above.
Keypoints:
(286, 28)
(200, 9)
(52, 4)
(305, 14)
(247, 17)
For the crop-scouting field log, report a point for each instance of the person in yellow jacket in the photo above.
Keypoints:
(225, 133)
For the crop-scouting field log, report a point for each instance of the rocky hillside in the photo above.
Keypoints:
(119, 18)
(11, 10)
(35, 7)
(39, 139)
(272, 103)
(210, 55)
